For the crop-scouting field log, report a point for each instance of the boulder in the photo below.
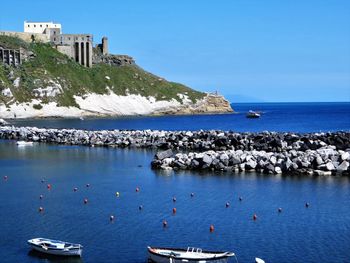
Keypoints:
(164, 154)
(278, 170)
(250, 165)
(345, 156)
(343, 166)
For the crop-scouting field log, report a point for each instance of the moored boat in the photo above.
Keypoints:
(190, 255)
(253, 114)
(24, 143)
(55, 247)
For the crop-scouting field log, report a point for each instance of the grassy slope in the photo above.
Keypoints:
(77, 80)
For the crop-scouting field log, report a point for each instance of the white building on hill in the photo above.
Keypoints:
(41, 27)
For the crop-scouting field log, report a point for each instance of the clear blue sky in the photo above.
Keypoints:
(262, 50)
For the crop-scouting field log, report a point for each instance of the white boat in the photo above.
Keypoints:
(253, 114)
(189, 255)
(24, 143)
(55, 247)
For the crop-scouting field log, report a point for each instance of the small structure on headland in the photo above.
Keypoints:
(10, 56)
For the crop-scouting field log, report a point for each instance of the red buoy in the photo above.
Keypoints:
(137, 189)
(41, 209)
(75, 189)
(255, 217)
(41, 196)
(85, 201)
(211, 228)
(165, 223)
(227, 204)
(174, 210)
(49, 186)
(174, 199)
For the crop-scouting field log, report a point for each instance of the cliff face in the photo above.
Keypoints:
(50, 84)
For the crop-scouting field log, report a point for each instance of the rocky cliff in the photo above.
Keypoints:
(50, 84)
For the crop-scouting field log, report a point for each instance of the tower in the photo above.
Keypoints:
(105, 46)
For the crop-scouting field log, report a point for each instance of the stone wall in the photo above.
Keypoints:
(27, 37)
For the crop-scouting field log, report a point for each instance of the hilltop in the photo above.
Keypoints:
(50, 84)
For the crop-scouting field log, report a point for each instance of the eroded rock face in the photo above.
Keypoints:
(113, 60)
(209, 104)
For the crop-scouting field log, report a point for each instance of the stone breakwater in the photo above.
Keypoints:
(266, 152)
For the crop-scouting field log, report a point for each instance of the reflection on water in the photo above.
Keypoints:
(52, 258)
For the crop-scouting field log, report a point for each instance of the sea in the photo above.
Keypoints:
(82, 187)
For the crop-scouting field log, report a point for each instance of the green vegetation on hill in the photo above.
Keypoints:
(48, 65)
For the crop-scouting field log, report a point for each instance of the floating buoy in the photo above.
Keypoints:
(227, 204)
(111, 218)
(240, 198)
(174, 210)
(192, 194)
(49, 186)
(137, 189)
(307, 204)
(85, 201)
(41, 209)
(75, 189)
(165, 223)
(211, 228)
(41, 196)
(5, 177)
(117, 194)
(279, 209)
(87, 185)
(174, 199)
(255, 217)
(140, 207)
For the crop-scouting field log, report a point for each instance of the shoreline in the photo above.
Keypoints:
(319, 154)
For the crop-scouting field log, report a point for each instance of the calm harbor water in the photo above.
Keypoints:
(320, 233)
(294, 117)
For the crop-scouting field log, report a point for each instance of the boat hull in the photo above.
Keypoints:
(162, 259)
(58, 252)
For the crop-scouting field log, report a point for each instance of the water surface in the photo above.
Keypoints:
(294, 117)
(320, 233)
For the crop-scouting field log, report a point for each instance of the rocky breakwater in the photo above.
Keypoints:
(320, 154)
(266, 152)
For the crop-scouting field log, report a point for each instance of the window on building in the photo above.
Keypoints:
(54, 32)
(47, 25)
(54, 39)
(34, 25)
(69, 38)
(41, 25)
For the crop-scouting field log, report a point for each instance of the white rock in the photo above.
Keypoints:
(345, 156)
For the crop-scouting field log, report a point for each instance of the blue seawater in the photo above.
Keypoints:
(293, 117)
(319, 233)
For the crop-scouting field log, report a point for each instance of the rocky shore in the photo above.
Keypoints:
(265, 152)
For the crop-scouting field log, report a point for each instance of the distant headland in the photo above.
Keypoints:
(46, 73)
